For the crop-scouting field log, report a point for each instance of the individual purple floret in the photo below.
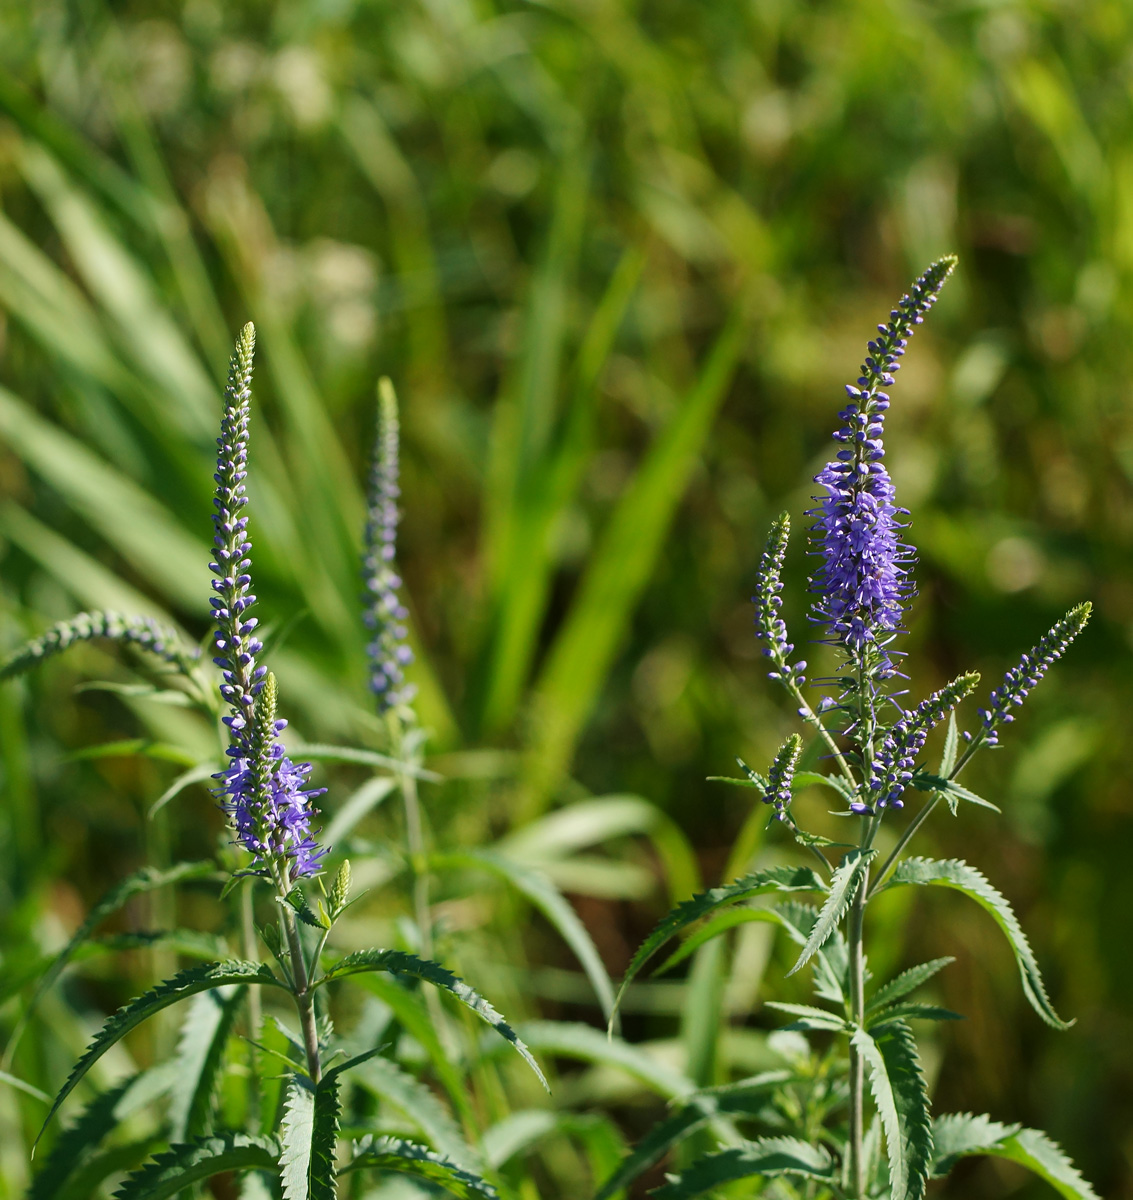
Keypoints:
(1032, 667)
(265, 794)
(385, 614)
(782, 774)
(236, 644)
(863, 584)
(769, 625)
(893, 766)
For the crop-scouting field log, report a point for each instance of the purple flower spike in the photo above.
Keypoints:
(769, 625)
(863, 584)
(782, 774)
(236, 643)
(385, 614)
(893, 767)
(1019, 681)
(265, 794)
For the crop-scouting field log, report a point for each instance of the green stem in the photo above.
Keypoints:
(812, 718)
(255, 1007)
(415, 842)
(301, 981)
(857, 1016)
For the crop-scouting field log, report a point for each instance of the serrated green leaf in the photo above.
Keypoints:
(899, 1091)
(200, 1054)
(409, 1158)
(147, 879)
(962, 1135)
(547, 898)
(956, 1135)
(768, 1157)
(951, 747)
(187, 983)
(951, 790)
(182, 1166)
(714, 928)
(956, 874)
(911, 1012)
(815, 1018)
(296, 1132)
(297, 902)
(741, 783)
(772, 879)
(843, 885)
(324, 1136)
(397, 962)
(906, 982)
(732, 1098)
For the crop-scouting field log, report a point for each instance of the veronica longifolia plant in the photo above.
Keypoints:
(288, 1137)
(824, 1141)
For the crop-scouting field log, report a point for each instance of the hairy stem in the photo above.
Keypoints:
(252, 954)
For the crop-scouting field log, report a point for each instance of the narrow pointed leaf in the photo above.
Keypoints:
(409, 1158)
(188, 983)
(843, 885)
(898, 1089)
(958, 875)
(951, 747)
(184, 1165)
(687, 913)
(767, 1157)
(810, 1017)
(910, 1012)
(908, 981)
(397, 962)
(951, 790)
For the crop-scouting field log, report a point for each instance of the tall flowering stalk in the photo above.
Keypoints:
(385, 614)
(861, 592)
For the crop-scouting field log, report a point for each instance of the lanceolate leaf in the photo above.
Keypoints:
(951, 746)
(773, 879)
(906, 982)
(911, 1012)
(951, 790)
(200, 1054)
(810, 1017)
(550, 902)
(148, 879)
(182, 1166)
(843, 885)
(765, 1156)
(958, 875)
(409, 1158)
(397, 962)
(902, 1101)
(296, 1134)
(180, 987)
(735, 1098)
(960, 1135)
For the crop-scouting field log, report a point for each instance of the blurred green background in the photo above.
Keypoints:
(619, 259)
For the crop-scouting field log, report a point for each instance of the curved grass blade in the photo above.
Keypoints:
(357, 806)
(703, 1106)
(147, 879)
(764, 1156)
(772, 879)
(956, 874)
(321, 752)
(843, 885)
(397, 962)
(197, 774)
(187, 983)
(384, 1078)
(410, 1158)
(584, 1043)
(551, 903)
(899, 1091)
(181, 1166)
